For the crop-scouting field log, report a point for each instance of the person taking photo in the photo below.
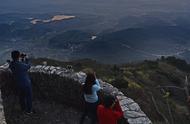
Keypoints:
(19, 67)
(90, 89)
(110, 111)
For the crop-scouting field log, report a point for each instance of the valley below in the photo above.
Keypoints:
(141, 47)
(77, 36)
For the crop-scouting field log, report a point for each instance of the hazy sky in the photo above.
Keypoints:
(93, 6)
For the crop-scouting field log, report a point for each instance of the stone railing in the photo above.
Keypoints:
(2, 116)
(63, 85)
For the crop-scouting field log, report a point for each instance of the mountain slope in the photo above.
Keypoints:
(144, 82)
(150, 42)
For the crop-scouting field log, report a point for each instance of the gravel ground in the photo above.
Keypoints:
(46, 113)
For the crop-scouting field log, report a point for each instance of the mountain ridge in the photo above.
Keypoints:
(143, 81)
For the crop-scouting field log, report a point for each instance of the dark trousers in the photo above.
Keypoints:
(90, 111)
(25, 98)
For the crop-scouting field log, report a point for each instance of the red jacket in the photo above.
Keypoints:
(108, 115)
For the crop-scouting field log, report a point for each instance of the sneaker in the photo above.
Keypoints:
(29, 113)
(34, 111)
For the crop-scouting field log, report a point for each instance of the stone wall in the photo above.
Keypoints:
(2, 116)
(63, 86)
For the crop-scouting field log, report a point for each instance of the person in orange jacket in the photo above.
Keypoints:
(110, 111)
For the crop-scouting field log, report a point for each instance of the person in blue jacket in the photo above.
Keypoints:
(90, 89)
(19, 70)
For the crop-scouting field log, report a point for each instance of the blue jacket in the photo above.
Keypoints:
(20, 73)
(92, 98)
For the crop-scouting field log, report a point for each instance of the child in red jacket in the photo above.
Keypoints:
(110, 112)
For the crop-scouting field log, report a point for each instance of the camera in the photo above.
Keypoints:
(8, 61)
(22, 55)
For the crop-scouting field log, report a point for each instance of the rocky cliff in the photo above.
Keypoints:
(63, 86)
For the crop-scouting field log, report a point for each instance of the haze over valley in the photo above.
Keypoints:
(141, 47)
(110, 31)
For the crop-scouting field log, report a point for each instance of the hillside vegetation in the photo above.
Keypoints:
(146, 83)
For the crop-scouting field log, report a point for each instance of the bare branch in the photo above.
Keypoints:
(187, 92)
(175, 87)
(186, 86)
(157, 109)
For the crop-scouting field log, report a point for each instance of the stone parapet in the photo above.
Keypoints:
(63, 85)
